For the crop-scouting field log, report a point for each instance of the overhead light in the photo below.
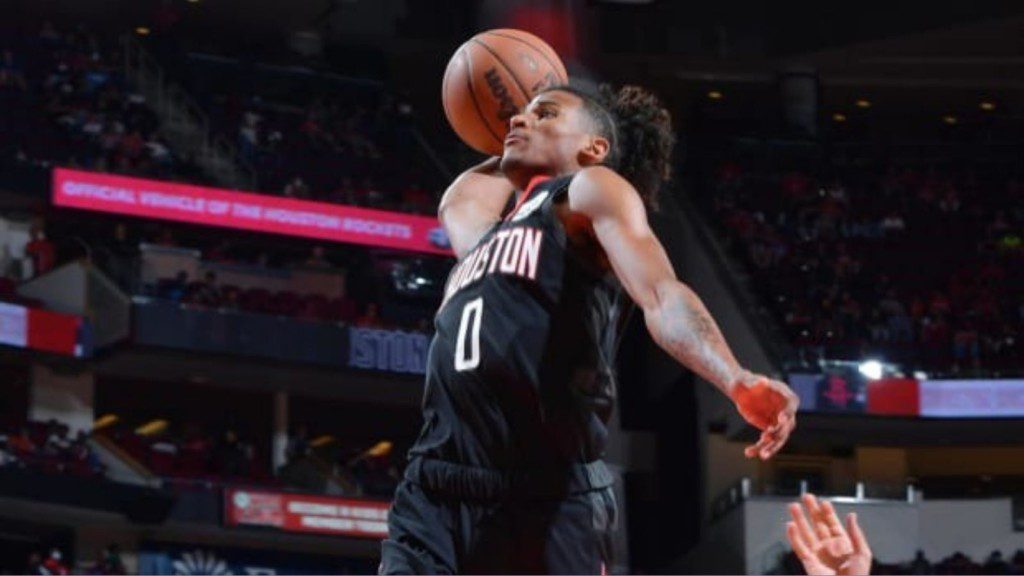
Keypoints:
(105, 421)
(320, 441)
(949, 119)
(142, 31)
(382, 448)
(871, 369)
(987, 106)
(839, 117)
(714, 95)
(193, 1)
(152, 428)
(919, 375)
(862, 103)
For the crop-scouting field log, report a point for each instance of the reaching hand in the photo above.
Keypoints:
(770, 406)
(826, 548)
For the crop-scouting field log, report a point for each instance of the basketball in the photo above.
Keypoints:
(490, 78)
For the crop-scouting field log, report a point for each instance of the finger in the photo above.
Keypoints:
(800, 519)
(773, 448)
(756, 448)
(778, 441)
(819, 524)
(832, 519)
(801, 548)
(860, 542)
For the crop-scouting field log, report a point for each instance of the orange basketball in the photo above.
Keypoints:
(490, 78)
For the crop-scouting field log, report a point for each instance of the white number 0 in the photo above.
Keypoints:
(472, 313)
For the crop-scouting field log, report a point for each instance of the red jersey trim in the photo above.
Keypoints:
(534, 182)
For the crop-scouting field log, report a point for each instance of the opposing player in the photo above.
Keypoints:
(824, 546)
(506, 475)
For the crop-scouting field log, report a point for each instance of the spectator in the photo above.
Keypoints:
(41, 250)
(298, 445)
(920, 564)
(7, 458)
(296, 188)
(176, 288)
(35, 565)
(21, 442)
(111, 563)
(316, 258)
(11, 76)
(207, 294)
(371, 317)
(57, 441)
(54, 564)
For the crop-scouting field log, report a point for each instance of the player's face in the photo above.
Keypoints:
(548, 135)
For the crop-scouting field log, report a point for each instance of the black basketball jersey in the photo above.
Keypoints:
(520, 370)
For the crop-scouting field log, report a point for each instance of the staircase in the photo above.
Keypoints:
(183, 122)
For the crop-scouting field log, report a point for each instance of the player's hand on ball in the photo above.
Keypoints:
(823, 545)
(768, 405)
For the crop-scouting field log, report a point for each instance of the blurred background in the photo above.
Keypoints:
(220, 262)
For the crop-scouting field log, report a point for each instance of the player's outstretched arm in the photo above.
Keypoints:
(675, 315)
(473, 204)
(825, 547)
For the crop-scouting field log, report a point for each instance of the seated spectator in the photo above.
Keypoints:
(41, 250)
(11, 76)
(296, 188)
(54, 563)
(35, 565)
(176, 288)
(111, 564)
(7, 457)
(207, 294)
(370, 317)
(21, 442)
(316, 258)
(57, 441)
(298, 445)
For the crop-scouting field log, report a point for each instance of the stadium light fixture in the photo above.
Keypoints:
(871, 369)
(839, 117)
(863, 103)
(142, 31)
(987, 105)
(714, 95)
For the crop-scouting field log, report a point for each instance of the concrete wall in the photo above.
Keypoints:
(64, 397)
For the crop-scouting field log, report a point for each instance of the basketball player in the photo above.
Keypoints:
(506, 475)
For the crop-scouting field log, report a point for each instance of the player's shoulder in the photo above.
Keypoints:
(596, 188)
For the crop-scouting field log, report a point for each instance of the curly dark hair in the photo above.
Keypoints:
(639, 129)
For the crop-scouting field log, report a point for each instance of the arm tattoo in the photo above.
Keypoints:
(682, 327)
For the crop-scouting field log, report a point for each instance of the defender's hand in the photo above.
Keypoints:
(768, 405)
(823, 545)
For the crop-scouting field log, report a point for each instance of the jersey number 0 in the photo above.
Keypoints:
(472, 314)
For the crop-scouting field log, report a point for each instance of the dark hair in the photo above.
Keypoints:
(639, 130)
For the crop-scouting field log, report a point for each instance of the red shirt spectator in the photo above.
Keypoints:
(42, 252)
(54, 565)
(370, 318)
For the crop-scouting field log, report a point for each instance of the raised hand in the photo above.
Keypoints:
(823, 545)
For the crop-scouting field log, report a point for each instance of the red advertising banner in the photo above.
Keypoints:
(44, 330)
(894, 397)
(246, 211)
(303, 513)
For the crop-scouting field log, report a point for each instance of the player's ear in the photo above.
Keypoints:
(595, 151)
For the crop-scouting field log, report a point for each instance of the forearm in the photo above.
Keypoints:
(680, 323)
